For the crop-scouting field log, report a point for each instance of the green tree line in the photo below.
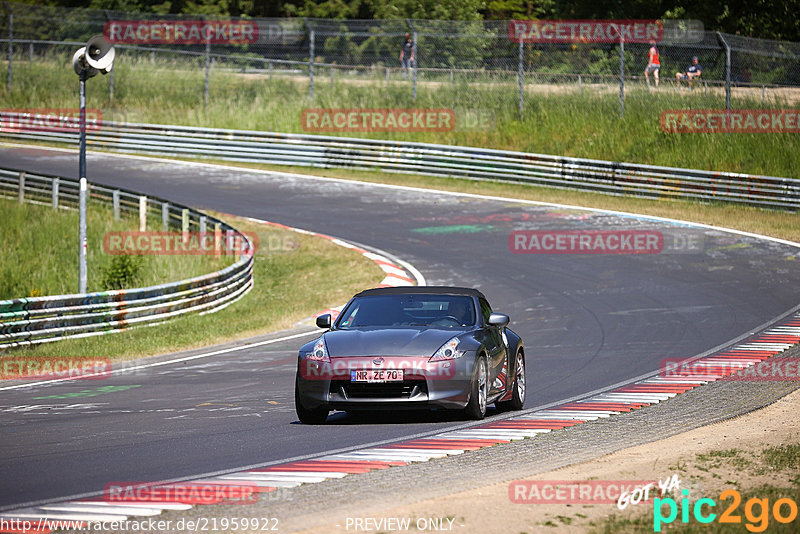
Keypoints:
(766, 19)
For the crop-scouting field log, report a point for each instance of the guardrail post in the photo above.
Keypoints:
(115, 202)
(165, 215)
(22, 187)
(142, 213)
(55, 193)
(217, 240)
(203, 223)
(185, 225)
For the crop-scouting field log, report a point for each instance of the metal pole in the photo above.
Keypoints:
(311, 62)
(580, 85)
(21, 191)
(111, 85)
(10, 46)
(82, 241)
(621, 75)
(208, 67)
(331, 75)
(30, 52)
(414, 66)
(520, 78)
(727, 73)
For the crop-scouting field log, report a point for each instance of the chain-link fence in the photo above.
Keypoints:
(458, 64)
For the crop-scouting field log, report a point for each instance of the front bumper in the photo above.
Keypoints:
(426, 385)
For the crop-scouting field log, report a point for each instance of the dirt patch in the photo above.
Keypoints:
(707, 460)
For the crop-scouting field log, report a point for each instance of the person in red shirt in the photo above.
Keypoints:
(653, 64)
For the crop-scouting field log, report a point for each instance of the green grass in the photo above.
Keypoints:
(303, 275)
(783, 457)
(557, 120)
(40, 252)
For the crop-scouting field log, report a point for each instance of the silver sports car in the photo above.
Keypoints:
(411, 347)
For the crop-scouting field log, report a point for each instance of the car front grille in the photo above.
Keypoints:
(387, 390)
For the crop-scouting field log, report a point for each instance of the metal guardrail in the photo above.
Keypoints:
(27, 321)
(626, 179)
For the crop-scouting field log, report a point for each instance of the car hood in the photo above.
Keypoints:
(387, 341)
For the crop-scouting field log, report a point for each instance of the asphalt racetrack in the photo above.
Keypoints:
(588, 321)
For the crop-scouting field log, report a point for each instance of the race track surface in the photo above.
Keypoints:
(588, 321)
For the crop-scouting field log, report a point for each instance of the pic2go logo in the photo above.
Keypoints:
(756, 511)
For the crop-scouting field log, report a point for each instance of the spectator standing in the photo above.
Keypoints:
(653, 64)
(407, 55)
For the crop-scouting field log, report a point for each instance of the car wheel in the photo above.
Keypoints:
(476, 407)
(317, 416)
(517, 400)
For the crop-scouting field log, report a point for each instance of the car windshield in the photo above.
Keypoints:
(412, 310)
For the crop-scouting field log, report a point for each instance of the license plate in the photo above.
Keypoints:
(377, 375)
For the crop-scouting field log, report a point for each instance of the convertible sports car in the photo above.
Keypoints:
(411, 347)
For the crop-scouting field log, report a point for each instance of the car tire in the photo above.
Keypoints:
(517, 400)
(476, 407)
(316, 416)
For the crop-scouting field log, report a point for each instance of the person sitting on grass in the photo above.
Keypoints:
(692, 73)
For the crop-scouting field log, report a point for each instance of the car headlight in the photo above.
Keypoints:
(448, 351)
(320, 352)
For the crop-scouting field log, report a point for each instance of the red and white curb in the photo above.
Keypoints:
(717, 366)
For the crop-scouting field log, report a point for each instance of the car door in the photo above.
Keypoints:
(495, 346)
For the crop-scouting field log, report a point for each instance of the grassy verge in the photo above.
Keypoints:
(725, 469)
(40, 253)
(557, 120)
(295, 276)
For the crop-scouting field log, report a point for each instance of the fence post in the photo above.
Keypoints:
(331, 67)
(142, 213)
(10, 45)
(55, 193)
(22, 187)
(30, 52)
(621, 75)
(165, 215)
(520, 74)
(185, 225)
(414, 65)
(763, 94)
(310, 58)
(727, 73)
(580, 85)
(115, 202)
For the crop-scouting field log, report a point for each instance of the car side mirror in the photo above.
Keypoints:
(498, 319)
(324, 320)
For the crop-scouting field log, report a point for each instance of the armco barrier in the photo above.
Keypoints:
(27, 321)
(435, 160)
